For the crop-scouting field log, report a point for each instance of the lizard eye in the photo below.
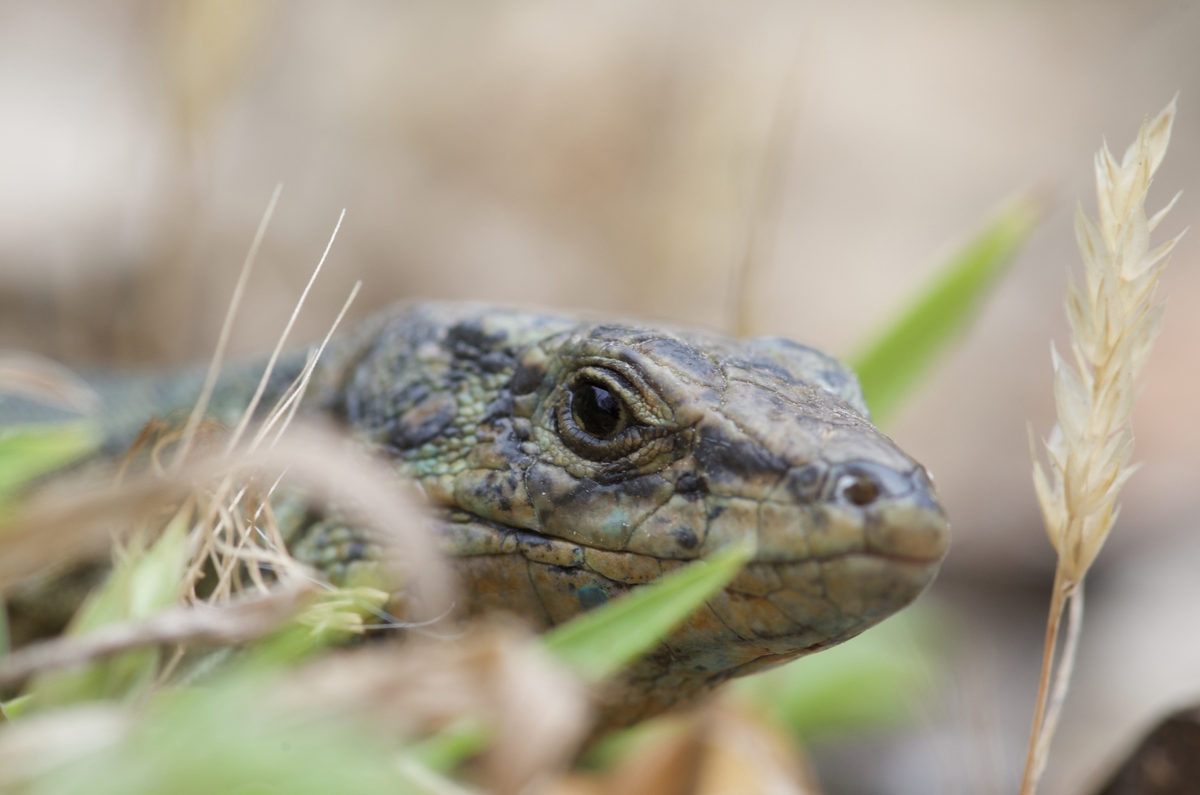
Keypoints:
(598, 415)
(609, 417)
(598, 411)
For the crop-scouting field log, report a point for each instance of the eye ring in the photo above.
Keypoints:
(597, 418)
(609, 417)
(598, 410)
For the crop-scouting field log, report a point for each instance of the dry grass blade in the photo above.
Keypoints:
(287, 405)
(214, 367)
(1114, 321)
(262, 384)
(242, 620)
(46, 381)
(74, 522)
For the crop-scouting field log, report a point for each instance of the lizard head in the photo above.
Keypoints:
(597, 457)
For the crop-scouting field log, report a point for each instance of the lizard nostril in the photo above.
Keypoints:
(857, 489)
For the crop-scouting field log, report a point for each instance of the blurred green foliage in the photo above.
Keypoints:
(223, 739)
(899, 356)
(142, 583)
(28, 452)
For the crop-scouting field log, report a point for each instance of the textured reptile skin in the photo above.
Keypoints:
(569, 462)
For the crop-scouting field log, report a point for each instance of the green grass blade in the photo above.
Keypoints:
(14, 708)
(333, 618)
(602, 641)
(452, 746)
(30, 451)
(144, 583)
(890, 366)
(5, 640)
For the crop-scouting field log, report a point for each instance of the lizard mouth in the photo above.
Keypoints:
(772, 612)
(856, 568)
(826, 567)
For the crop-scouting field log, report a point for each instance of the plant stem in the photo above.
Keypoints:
(1053, 621)
(1062, 678)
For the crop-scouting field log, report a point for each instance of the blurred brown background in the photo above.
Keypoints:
(629, 157)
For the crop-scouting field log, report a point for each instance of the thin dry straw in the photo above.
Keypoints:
(370, 492)
(262, 384)
(214, 367)
(295, 393)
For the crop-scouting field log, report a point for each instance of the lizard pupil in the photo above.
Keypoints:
(597, 411)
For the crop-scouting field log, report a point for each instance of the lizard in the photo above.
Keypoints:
(568, 461)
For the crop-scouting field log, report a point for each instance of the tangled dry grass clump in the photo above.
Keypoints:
(202, 570)
(1114, 321)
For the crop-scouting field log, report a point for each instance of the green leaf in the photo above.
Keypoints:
(142, 584)
(5, 640)
(451, 746)
(29, 451)
(600, 642)
(896, 360)
(228, 738)
(334, 617)
(14, 707)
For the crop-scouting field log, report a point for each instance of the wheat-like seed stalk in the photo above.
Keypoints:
(1114, 320)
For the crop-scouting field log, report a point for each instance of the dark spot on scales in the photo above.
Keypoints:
(495, 362)
(502, 406)
(526, 379)
(685, 536)
(723, 458)
(629, 486)
(507, 443)
(691, 486)
(533, 540)
(470, 334)
(424, 420)
(591, 595)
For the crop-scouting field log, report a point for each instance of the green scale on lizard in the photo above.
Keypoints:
(569, 461)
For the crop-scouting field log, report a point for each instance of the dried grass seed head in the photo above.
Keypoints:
(1114, 321)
